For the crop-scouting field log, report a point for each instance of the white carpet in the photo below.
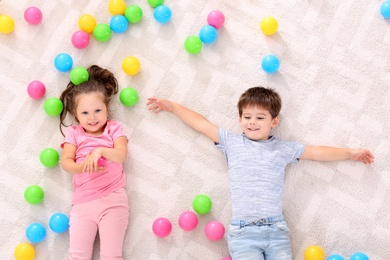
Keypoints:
(333, 78)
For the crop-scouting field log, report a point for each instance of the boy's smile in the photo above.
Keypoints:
(257, 123)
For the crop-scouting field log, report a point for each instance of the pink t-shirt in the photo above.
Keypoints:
(91, 186)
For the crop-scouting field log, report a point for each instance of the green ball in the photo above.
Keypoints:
(49, 157)
(193, 44)
(129, 97)
(78, 75)
(53, 106)
(102, 32)
(34, 194)
(202, 204)
(133, 13)
(155, 3)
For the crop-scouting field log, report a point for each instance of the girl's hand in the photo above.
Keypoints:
(158, 104)
(90, 163)
(362, 155)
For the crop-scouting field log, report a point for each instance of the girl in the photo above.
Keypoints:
(99, 201)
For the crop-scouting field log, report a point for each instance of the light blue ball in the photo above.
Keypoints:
(63, 62)
(59, 223)
(35, 232)
(335, 257)
(162, 14)
(359, 256)
(270, 63)
(119, 23)
(385, 9)
(208, 34)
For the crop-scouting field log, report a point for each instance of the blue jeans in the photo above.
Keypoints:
(263, 239)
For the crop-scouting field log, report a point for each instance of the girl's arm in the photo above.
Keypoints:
(189, 117)
(68, 159)
(327, 153)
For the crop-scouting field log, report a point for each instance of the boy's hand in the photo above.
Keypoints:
(158, 104)
(362, 155)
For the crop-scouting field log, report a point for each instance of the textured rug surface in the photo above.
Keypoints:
(333, 78)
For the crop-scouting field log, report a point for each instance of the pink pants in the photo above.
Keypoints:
(108, 215)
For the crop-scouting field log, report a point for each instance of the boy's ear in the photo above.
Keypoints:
(275, 122)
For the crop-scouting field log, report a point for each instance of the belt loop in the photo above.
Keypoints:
(242, 223)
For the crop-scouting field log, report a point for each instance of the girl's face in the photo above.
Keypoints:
(257, 123)
(91, 112)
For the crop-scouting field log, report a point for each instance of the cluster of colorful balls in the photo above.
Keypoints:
(315, 252)
(269, 26)
(207, 34)
(188, 221)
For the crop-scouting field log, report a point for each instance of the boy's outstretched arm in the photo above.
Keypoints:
(327, 153)
(189, 117)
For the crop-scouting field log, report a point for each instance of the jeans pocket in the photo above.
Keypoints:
(236, 231)
(281, 226)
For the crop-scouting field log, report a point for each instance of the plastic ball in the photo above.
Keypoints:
(116, 7)
(24, 251)
(269, 25)
(131, 65)
(359, 256)
(216, 18)
(270, 63)
(385, 9)
(193, 44)
(162, 14)
(202, 204)
(133, 13)
(102, 32)
(162, 227)
(49, 157)
(59, 223)
(155, 3)
(102, 162)
(35, 232)
(33, 15)
(188, 220)
(34, 194)
(36, 89)
(87, 23)
(335, 257)
(63, 62)
(314, 253)
(118, 23)
(53, 106)
(214, 230)
(7, 24)
(208, 34)
(80, 39)
(128, 97)
(226, 258)
(78, 75)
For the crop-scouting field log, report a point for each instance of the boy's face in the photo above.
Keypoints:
(257, 123)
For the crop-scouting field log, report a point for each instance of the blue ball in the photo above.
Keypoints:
(35, 232)
(208, 34)
(59, 223)
(335, 257)
(270, 63)
(63, 62)
(385, 9)
(359, 256)
(119, 23)
(162, 14)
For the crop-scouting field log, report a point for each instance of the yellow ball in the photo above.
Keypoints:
(131, 65)
(7, 24)
(87, 23)
(24, 251)
(314, 253)
(117, 7)
(269, 25)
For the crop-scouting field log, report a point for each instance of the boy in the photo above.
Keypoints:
(257, 161)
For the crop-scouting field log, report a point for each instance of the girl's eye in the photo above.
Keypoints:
(98, 110)
(84, 113)
(260, 118)
(247, 117)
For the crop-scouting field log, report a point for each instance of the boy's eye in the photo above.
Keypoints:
(247, 117)
(98, 110)
(84, 113)
(260, 118)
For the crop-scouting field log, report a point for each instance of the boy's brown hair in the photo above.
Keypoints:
(265, 98)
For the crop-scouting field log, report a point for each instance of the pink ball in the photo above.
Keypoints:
(102, 162)
(162, 227)
(36, 89)
(226, 258)
(80, 39)
(216, 19)
(214, 230)
(33, 15)
(188, 220)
